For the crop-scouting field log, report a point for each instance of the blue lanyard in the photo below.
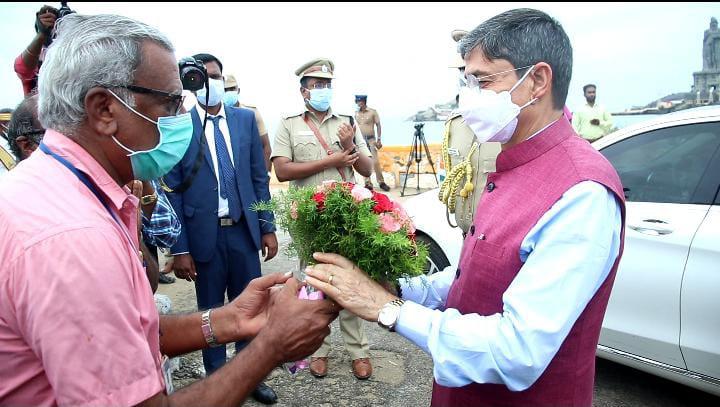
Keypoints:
(84, 179)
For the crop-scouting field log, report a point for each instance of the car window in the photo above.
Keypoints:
(665, 165)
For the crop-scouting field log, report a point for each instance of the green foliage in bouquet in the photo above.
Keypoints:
(366, 227)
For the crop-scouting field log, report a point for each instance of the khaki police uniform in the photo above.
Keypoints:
(366, 122)
(296, 141)
(461, 141)
(262, 130)
(483, 162)
(231, 82)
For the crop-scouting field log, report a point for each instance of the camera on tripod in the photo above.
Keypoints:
(416, 154)
(418, 129)
(193, 74)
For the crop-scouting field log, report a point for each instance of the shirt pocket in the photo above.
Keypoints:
(489, 262)
(306, 148)
(483, 248)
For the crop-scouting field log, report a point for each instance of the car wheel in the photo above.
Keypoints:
(437, 261)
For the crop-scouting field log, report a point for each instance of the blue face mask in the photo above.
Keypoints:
(217, 91)
(230, 98)
(175, 135)
(320, 99)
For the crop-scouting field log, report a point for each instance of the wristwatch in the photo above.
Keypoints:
(207, 330)
(389, 314)
(149, 199)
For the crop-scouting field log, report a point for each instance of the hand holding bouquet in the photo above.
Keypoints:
(366, 227)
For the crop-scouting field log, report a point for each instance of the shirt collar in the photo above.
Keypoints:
(201, 111)
(541, 130)
(312, 114)
(529, 149)
(83, 161)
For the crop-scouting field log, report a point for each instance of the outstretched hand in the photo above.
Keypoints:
(349, 286)
(250, 309)
(296, 328)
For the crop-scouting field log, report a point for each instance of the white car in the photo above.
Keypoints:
(664, 311)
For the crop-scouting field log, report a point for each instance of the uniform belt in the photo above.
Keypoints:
(226, 221)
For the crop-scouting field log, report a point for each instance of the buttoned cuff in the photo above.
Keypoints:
(412, 289)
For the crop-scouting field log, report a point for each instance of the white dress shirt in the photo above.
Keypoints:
(567, 256)
(223, 209)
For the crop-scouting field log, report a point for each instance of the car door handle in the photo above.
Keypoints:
(651, 227)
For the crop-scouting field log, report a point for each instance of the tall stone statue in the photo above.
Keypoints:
(711, 47)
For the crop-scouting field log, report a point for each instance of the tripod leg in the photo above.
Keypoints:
(407, 167)
(429, 157)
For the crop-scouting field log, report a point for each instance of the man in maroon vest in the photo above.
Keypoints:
(517, 323)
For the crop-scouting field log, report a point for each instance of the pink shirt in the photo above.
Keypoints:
(78, 324)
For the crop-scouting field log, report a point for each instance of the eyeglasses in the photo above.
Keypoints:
(472, 81)
(174, 100)
(320, 85)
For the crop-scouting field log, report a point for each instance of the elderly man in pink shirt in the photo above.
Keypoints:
(78, 323)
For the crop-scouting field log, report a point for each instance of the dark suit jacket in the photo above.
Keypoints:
(197, 206)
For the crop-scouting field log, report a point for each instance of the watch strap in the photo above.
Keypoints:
(207, 329)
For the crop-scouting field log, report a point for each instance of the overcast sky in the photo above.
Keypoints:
(398, 53)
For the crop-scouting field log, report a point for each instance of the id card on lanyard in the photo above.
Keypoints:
(85, 180)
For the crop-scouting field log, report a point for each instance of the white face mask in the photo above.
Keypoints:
(492, 116)
(217, 91)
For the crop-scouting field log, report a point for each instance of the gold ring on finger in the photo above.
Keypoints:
(330, 279)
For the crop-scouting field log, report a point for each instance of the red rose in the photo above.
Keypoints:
(319, 198)
(382, 203)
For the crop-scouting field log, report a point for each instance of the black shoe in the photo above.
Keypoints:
(166, 279)
(384, 186)
(264, 394)
(369, 186)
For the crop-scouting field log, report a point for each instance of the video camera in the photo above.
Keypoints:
(418, 128)
(193, 74)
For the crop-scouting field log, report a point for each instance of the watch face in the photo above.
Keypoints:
(388, 315)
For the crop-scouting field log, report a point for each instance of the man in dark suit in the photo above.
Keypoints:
(221, 235)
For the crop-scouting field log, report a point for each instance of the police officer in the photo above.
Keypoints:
(313, 146)
(462, 189)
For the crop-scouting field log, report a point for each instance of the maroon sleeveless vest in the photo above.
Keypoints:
(530, 178)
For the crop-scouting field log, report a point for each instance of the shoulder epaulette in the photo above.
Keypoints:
(292, 115)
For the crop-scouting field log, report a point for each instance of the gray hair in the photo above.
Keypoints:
(89, 51)
(525, 37)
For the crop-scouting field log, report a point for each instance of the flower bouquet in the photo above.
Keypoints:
(366, 227)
